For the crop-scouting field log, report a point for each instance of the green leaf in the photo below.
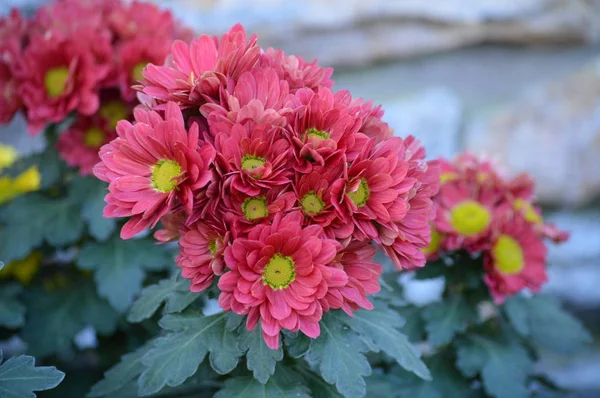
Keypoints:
(379, 329)
(414, 327)
(12, 312)
(277, 387)
(338, 352)
(48, 163)
(119, 267)
(62, 226)
(504, 368)
(90, 192)
(128, 369)
(446, 318)
(175, 293)
(260, 359)
(297, 343)
(517, 311)
(54, 318)
(19, 377)
(554, 328)
(176, 356)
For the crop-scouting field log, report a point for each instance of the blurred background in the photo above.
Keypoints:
(518, 80)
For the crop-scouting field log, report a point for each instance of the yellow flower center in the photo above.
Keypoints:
(212, 246)
(448, 176)
(434, 243)
(28, 181)
(163, 175)
(528, 211)
(279, 272)
(361, 195)
(94, 137)
(55, 81)
(311, 203)
(8, 155)
(136, 72)
(320, 134)
(508, 255)
(470, 218)
(254, 208)
(113, 112)
(252, 162)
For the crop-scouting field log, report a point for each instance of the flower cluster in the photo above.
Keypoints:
(80, 58)
(481, 210)
(276, 187)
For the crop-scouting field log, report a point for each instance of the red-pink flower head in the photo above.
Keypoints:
(257, 157)
(356, 261)
(173, 226)
(79, 145)
(63, 19)
(202, 252)
(10, 100)
(141, 19)
(57, 77)
(516, 259)
(151, 165)
(13, 28)
(194, 73)
(278, 275)
(295, 71)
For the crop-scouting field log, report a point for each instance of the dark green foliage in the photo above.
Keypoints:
(19, 377)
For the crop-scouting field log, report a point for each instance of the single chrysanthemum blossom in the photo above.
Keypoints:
(151, 165)
(363, 278)
(141, 19)
(295, 71)
(258, 95)
(278, 275)
(56, 77)
(78, 146)
(322, 126)
(516, 259)
(413, 234)
(202, 252)
(195, 73)
(257, 157)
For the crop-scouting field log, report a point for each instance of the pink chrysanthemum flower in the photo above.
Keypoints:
(55, 78)
(141, 19)
(408, 247)
(363, 278)
(133, 56)
(202, 252)
(257, 157)
(10, 101)
(278, 275)
(13, 28)
(259, 95)
(295, 71)
(516, 259)
(173, 226)
(194, 73)
(150, 165)
(79, 145)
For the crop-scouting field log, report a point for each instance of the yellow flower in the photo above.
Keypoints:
(28, 181)
(23, 270)
(7, 191)
(8, 155)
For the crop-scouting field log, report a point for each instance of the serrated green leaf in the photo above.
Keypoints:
(517, 311)
(260, 359)
(54, 318)
(277, 387)
(319, 388)
(19, 377)
(90, 192)
(338, 352)
(177, 356)
(127, 370)
(62, 226)
(504, 368)
(119, 267)
(379, 329)
(553, 328)
(174, 293)
(446, 318)
(297, 343)
(12, 311)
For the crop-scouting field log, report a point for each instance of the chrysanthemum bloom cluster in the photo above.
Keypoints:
(481, 210)
(276, 187)
(79, 58)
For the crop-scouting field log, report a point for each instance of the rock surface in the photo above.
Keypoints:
(351, 32)
(554, 134)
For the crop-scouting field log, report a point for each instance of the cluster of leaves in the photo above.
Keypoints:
(88, 277)
(476, 348)
(204, 354)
